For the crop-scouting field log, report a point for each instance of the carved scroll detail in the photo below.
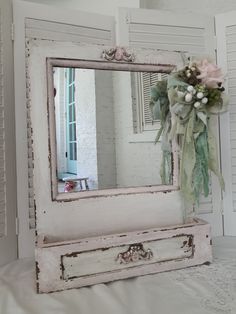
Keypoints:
(117, 54)
(134, 253)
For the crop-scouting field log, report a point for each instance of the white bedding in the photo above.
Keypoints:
(196, 290)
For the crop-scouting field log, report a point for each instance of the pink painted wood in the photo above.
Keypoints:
(74, 264)
(114, 65)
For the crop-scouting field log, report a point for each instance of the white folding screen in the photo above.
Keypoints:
(193, 35)
(41, 22)
(8, 239)
(226, 55)
(166, 30)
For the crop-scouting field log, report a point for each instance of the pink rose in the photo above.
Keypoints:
(210, 74)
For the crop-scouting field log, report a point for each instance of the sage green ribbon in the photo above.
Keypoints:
(191, 126)
(159, 106)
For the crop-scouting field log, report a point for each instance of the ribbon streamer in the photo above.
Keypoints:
(185, 111)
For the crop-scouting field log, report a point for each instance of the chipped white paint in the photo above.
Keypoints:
(85, 218)
(143, 60)
(73, 264)
(92, 213)
(99, 261)
(29, 143)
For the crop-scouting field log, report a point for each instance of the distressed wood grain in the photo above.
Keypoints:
(84, 262)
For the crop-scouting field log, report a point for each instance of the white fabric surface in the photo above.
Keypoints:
(196, 290)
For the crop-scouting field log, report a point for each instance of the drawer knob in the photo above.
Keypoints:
(134, 253)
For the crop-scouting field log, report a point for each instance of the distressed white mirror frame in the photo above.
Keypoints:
(120, 233)
(92, 215)
(106, 62)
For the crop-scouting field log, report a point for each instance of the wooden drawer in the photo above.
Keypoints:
(99, 261)
(78, 263)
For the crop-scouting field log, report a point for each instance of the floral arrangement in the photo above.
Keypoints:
(184, 104)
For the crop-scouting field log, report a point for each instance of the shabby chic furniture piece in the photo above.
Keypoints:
(84, 262)
(116, 229)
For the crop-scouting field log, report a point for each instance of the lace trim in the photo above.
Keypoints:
(217, 281)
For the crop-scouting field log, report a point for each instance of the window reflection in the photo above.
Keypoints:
(97, 145)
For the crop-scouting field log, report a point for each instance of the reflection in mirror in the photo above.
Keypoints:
(105, 131)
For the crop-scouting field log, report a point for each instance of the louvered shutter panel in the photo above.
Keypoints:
(48, 30)
(8, 239)
(146, 86)
(226, 52)
(166, 30)
(192, 34)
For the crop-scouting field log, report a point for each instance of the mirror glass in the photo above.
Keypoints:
(105, 131)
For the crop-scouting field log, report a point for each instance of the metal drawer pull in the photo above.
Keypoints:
(134, 253)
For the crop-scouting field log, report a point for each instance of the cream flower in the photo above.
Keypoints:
(210, 74)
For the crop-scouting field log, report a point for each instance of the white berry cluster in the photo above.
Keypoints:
(189, 71)
(192, 94)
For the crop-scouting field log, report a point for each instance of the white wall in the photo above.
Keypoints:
(138, 161)
(108, 7)
(85, 99)
(122, 160)
(209, 7)
(106, 156)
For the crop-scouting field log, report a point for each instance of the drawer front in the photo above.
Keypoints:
(87, 263)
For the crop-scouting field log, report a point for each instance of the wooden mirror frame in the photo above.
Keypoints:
(130, 234)
(111, 59)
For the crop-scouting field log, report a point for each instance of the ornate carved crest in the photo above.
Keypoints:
(134, 253)
(117, 54)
